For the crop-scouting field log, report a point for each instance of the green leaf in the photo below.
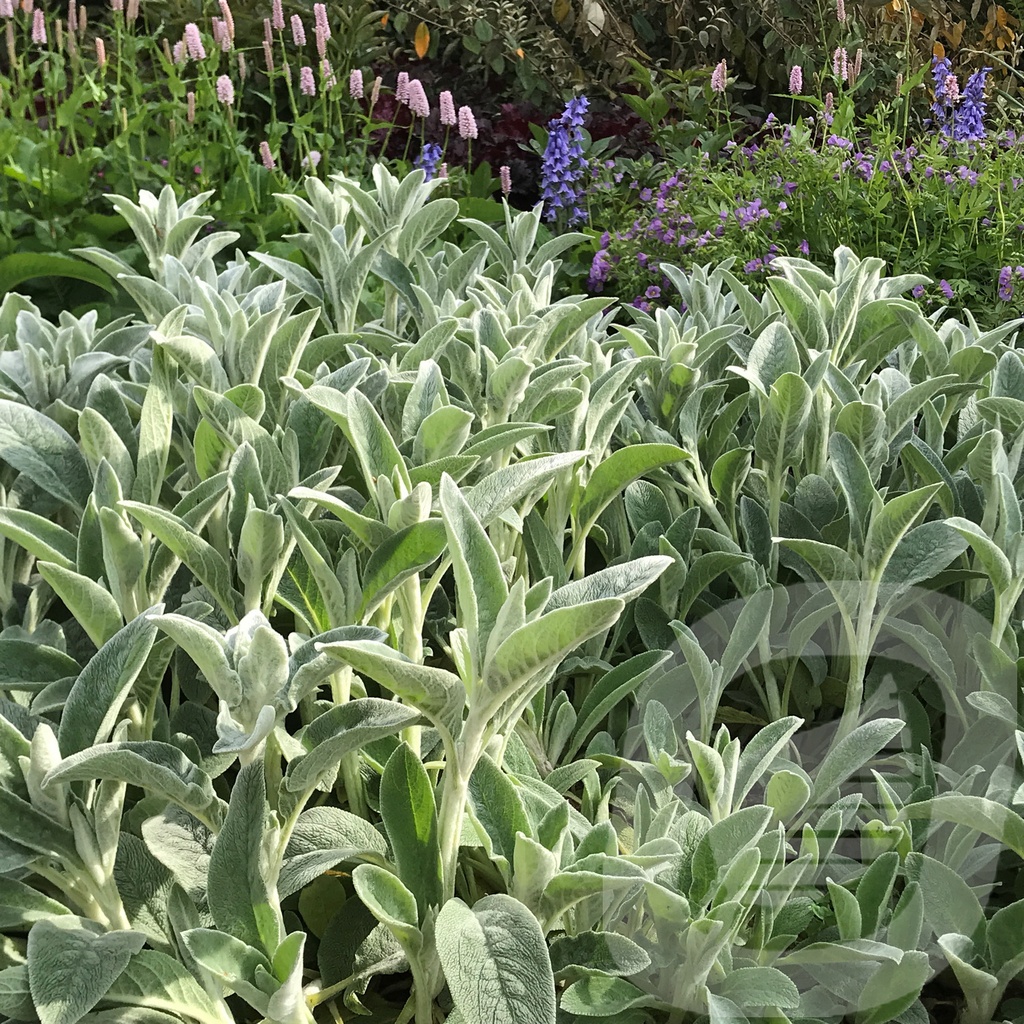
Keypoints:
(759, 986)
(851, 754)
(779, 437)
(386, 897)
(410, 818)
(156, 981)
(70, 968)
(496, 962)
(21, 823)
(891, 523)
(855, 480)
(399, 557)
(435, 692)
(343, 729)
(95, 699)
(19, 267)
(91, 605)
(206, 562)
(163, 770)
(893, 988)
(45, 540)
(617, 471)
(25, 665)
(603, 998)
(987, 816)
(34, 444)
(540, 645)
(498, 808)
(480, 585)
(237, 892)
(21, 905)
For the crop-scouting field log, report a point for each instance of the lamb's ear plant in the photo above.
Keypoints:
(382, 634)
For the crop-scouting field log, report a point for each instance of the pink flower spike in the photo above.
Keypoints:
(402, 87)
(225, 90)
(418, 102)
(242, 68)
(506, 179)
(840, 11)
(447, 105)
(355, 84)
(298, 31)
(115, 5)
(840, 64)
(39, 28)
(277, 16)
(719, 77)
(268, 56)
(266, 156)
(952, 88)
(268, 32)
(320, 17)
(307, 85)
(442, 171)
(178, 52)
(229, 21)
(796, 80)
(194, 42)
(321, 42)
(327, 75)
(313, 160)
(467, 123)
(6, 9)
(857, 63)
(131, 13)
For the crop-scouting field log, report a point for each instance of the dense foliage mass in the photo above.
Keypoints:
(384, 635)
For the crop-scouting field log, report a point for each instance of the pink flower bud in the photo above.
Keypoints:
(131, 13)
(83, 20)
(266, 156)
(39, 28)
(327, 75)
(27, 6)
(307, 85)
(72, 16)
(855, 74)
(225, 90)
(375, 91)
(277, 16)
(355, 84)
(506, 179)
(719, 77)
(101, 52)
(417, 98)
(268, 56)
(194, 42)
(442, 171)
(178, 53)
(447, 105)
(467, 123)
(268, 32)
(229, 21)
(115, 5)
(313, 160)
(242, 69)
(298, 31)
(402, 87)
(190, 107)
(320, 17)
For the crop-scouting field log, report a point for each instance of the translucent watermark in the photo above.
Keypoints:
(818, 872)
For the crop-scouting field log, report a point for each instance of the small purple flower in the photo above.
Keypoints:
(804, 247)
(917, 291)
(653, 292)
(946, 289)
(428, 159)
(1005, 290)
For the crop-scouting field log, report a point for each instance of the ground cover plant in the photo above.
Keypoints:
(384, 635)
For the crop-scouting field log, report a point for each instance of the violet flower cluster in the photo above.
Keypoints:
(563, 163)
(959, 113)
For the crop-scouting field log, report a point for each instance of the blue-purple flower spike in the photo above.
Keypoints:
(563, 163)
